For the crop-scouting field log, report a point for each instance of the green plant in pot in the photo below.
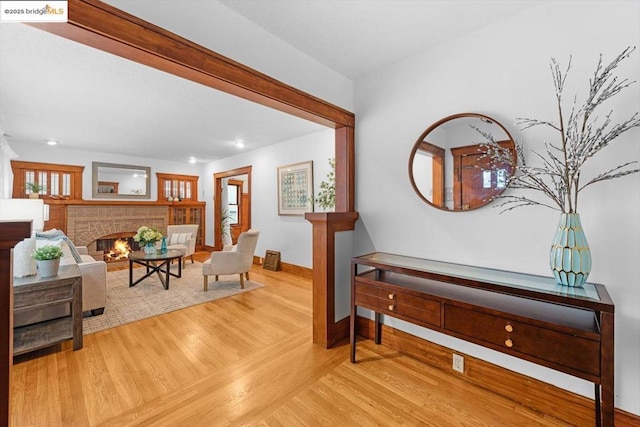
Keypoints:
(34, 189)
(48, 260)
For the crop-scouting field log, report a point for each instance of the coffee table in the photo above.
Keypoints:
(158, 263)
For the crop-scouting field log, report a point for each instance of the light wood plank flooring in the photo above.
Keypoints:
(244, 360)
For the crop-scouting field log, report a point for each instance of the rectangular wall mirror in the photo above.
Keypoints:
(112, 180)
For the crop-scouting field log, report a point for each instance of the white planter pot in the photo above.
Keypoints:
(49, 267)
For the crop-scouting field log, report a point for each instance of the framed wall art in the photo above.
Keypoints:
(272, 261)
(295, 188)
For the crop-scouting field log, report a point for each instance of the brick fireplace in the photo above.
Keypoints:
(88, 223)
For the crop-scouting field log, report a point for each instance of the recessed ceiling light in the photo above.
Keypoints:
(51, 142)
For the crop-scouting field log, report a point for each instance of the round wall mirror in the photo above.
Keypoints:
(451, 167)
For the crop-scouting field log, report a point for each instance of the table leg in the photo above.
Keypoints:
(130, 273)
(598, 405)
(606, 414)
(352, 333)
(76, 314)
(167, 273)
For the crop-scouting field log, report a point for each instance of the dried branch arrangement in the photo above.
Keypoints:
(582, 135)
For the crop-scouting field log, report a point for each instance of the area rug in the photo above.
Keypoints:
(148, 298)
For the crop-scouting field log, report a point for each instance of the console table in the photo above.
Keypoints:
(34, 292)
(527, 316)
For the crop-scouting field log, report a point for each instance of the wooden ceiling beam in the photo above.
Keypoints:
(107, 28)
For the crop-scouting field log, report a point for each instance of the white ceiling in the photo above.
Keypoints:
(54, 88)
(355, 37)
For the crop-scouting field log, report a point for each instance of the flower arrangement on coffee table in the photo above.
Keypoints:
(147, 237)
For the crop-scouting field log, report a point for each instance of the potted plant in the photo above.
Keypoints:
(34, 189)
(48, 260)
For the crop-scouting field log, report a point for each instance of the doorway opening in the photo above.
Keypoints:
(238, 208)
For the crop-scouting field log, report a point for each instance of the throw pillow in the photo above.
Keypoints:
(23, 262)
(179, 238)
(67, 246)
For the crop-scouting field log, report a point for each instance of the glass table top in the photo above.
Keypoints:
(510, 279)
(158, 256)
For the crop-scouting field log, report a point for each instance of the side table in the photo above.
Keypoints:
(35, 292)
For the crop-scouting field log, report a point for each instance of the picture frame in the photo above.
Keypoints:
(271, 261)
(295, 188)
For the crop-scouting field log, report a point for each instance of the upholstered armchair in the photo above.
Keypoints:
(183, 237)
(235, 259)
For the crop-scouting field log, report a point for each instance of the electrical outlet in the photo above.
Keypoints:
(458, 363)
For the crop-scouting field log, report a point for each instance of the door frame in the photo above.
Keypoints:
(217, 201)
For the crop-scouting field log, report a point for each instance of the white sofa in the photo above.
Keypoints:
(94, 285)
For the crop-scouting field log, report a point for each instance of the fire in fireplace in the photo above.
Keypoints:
(120, 250)
(116, 248)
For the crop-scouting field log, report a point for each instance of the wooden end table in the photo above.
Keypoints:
(33, 292)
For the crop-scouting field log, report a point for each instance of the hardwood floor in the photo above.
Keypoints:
(244, 360)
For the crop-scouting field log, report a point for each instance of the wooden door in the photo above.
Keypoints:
(241, 209)
(477, 179)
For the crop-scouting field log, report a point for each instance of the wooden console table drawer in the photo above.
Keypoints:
(399, 304)
(45, 295)
(510, 336)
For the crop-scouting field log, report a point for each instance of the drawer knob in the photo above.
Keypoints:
(391, 307)
(392, 296)
(508, 328)
(508, 343)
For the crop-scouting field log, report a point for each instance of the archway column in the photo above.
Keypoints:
(326, 332)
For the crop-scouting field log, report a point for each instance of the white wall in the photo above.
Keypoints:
(289, 235)
(503, 71)
(29, 152)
